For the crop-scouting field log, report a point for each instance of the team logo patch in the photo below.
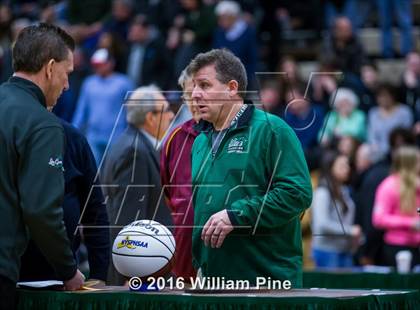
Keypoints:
(56, 163)
(131, 244)
(237, 145)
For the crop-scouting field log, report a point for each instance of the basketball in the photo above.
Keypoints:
(143, 248)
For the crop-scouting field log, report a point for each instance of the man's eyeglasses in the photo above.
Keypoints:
(165, 110)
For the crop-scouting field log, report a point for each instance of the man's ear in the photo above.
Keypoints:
(233, 87)
(49, 69)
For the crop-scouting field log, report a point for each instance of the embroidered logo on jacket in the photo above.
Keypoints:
(56, 163)
(237, 145)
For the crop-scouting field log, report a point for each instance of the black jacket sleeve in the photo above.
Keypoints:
(41, 188)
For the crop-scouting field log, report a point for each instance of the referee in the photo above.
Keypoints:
(31, 154)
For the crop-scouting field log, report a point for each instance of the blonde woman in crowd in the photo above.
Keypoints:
(396, 201)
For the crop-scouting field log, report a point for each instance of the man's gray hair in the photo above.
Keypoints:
(228, 67)
(141, 102)
(183, 78)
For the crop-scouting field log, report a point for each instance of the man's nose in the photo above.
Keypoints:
(196, 93)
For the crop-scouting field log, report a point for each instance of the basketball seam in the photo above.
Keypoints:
(120, 254)
(170, 237)
(152, 237)
(164, 227)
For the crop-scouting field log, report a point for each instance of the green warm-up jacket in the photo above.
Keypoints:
(31, 180)
(260, 176)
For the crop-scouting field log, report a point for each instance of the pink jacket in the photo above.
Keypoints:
(387, 215)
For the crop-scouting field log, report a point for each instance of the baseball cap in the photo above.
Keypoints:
(101, 56)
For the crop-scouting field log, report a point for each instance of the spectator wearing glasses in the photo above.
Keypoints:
(132, 164)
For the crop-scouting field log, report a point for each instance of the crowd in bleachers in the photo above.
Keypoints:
(350, 121)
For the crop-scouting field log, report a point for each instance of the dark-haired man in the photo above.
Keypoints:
(31, 173)
(250, 180)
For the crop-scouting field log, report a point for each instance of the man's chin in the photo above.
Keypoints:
(205, 117)
(50, 106)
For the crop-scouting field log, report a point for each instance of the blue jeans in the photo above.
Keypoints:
(349, 10)
(332, 259)
(402, 9)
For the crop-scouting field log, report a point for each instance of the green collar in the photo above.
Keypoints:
(243, 121)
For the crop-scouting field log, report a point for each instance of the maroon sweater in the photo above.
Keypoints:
(175, 171)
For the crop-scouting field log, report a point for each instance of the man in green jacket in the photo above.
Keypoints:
(251, 181)
(31, 154)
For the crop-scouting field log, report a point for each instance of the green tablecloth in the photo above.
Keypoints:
(348, 280)
(303, 299)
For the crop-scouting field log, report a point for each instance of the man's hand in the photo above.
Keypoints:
(75, 283)
(216, 229)
(94, 283)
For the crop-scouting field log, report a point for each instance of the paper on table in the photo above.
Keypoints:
(40, 284)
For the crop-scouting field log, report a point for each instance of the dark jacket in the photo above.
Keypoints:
(349, 59)
(131, 183)
(31, 180)
(154, 69)
(81, 197)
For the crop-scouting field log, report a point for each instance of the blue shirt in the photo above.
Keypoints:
(99, 105)
(306, 126)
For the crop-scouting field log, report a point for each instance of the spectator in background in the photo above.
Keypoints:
(86, 18)
(119, 21)
(306, 120)
(335, 235)
(29, 9)
(324, 84)
(53, 13)
(345, 119)
(175, 172)
(396, 202)
(82, 205)
(271, 42)
(370, 83)
(192, 32)
(336, 8)
(367, 178)
(160, 13)
(100, 103)
(235, 34)
(6, 20)
(274, 87)
(370, 175)
(147, 61)
(6, 66)
(289, 72)
(271, 98)
(387, 9)
(132, 164)
(410, 86)
(66, 104)
(382, 119)
(344, 49)
(347, 145)
(117, 47)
